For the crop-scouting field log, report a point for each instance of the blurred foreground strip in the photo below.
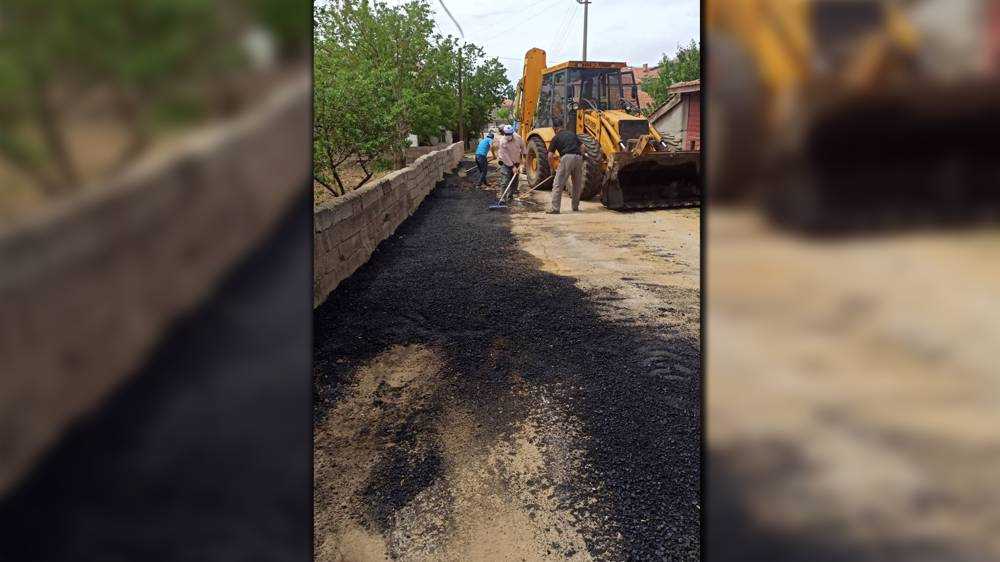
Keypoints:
(145, 148)
(853, 287)
(89, 87)
(852, 394)
(90, 283)
(837, 116)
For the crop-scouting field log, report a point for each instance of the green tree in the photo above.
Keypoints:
(484, 86)
(684, 66)
(390, 46)
(349, 116)
(288, 21)
(145, 59)
(380, 74)
(148, 54)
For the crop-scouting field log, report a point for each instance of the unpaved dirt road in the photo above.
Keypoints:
(508, 385)
(852, 394)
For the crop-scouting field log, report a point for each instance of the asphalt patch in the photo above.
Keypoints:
(204, 453)
(453, 277)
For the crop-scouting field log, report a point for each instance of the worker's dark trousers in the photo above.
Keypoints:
(505, 174)
(481, 164)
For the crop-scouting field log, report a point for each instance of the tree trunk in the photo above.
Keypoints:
(398, 151)
(340, 183)
(328, 187)
(364, 166)
(130, 112)
(30, 169)
(333, 169)
(53, 135)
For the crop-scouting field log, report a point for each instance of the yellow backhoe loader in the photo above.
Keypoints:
(627, 161)
(822, 111)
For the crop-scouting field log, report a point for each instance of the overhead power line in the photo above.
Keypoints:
(566, 34)
(528, 18)
(559, 29)
(452, 18)
(507, 11)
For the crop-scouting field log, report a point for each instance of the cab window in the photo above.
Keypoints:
(558, 109)
(543, 115)
(613, 85)
(628, 80)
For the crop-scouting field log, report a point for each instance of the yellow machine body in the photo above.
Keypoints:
(626, 161)
(822, 111)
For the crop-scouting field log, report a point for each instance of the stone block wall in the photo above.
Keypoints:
(349, 228)
(89, 284)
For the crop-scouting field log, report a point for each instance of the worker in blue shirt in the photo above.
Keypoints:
(481, 151)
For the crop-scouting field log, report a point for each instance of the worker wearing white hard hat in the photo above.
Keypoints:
(509, 150)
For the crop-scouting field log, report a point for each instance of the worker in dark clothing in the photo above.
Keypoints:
(567, 144)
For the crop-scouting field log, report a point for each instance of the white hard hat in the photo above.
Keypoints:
(508, 130)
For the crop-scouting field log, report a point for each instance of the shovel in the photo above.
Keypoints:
(540, 184)
(463, 173)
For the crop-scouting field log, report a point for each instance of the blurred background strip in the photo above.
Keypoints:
(147, 149)
(852, 284)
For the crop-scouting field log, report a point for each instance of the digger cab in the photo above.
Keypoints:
(627, 161)
(571, 88)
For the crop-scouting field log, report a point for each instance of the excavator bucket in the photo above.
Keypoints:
(656, 180)
(923, 155)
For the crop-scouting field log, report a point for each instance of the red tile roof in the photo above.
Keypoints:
(678, 88)
(642, 72)
(684, 87)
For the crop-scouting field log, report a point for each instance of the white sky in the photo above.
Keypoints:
(631, 31)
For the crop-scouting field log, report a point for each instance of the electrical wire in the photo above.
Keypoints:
(560, 29)
(566, 34)
(558, 37)
(528, 18)
(452, 18)
(506, 11)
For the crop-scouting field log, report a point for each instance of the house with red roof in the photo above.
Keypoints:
(680, 115)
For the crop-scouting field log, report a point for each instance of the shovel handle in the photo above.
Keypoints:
(536, 187)
(510, 184)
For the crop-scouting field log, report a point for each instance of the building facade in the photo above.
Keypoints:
(680, 116)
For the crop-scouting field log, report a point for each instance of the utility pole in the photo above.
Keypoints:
(585, 3)
(461, 120)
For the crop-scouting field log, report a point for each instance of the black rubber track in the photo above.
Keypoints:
(453, 277)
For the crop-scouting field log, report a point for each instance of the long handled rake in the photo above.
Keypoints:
(500, 203)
